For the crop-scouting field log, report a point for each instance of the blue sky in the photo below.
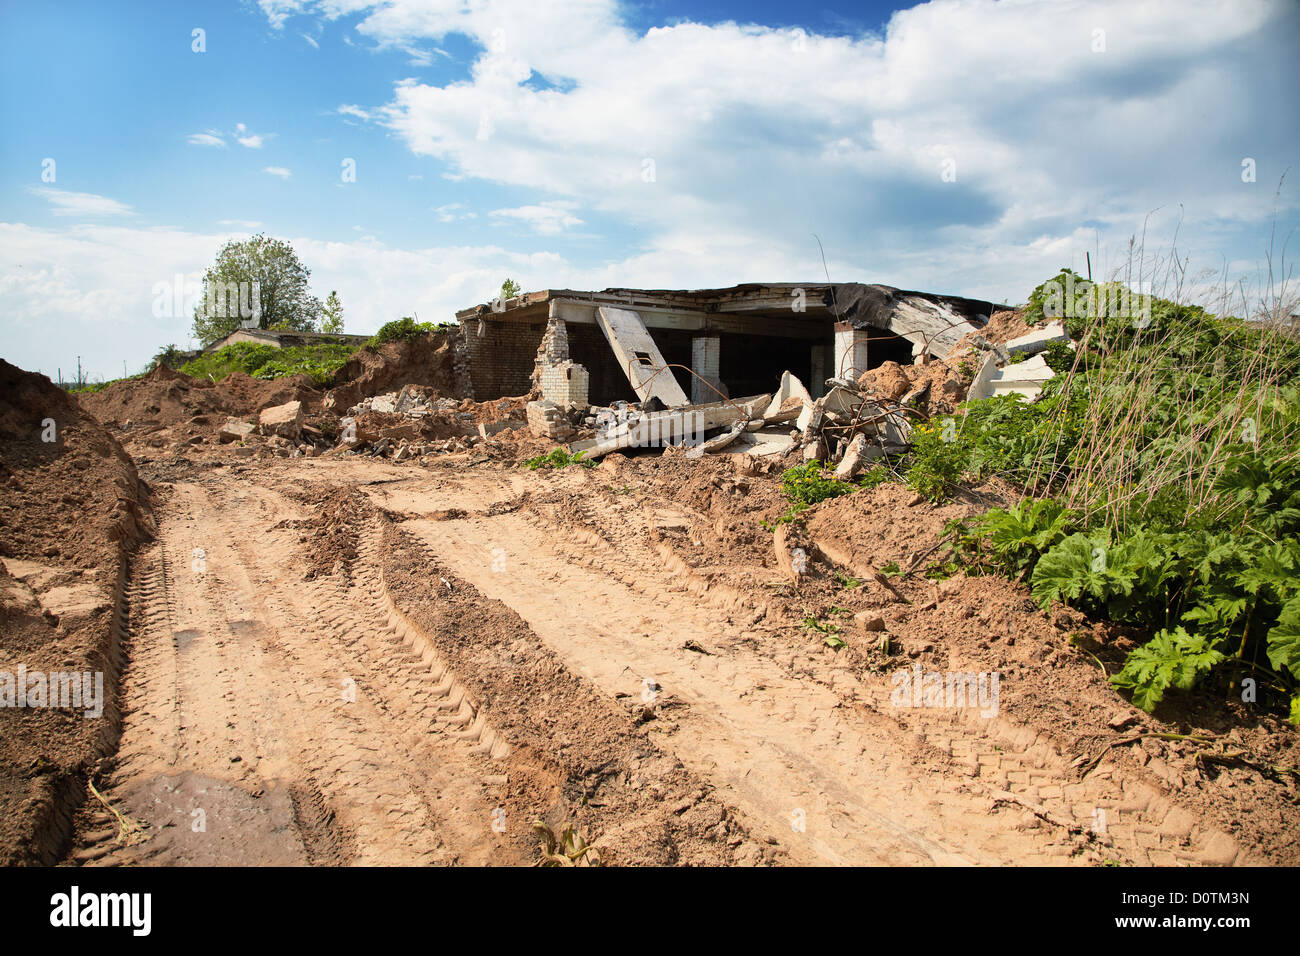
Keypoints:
(965, 146)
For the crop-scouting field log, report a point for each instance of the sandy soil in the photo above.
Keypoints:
(352, 660)
(595, 647)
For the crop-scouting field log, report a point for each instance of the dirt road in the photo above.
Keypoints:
(416, 677)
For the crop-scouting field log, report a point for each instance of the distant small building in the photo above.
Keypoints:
(280, 340)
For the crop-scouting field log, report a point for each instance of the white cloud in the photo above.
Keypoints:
(67, 203)
(241, 135)
(547, 219)
(1053, 131)
(452, 211)
(350, 109)
(277, 171)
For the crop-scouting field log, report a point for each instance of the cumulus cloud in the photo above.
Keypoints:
(453, 211)
(277, 171)
(546, 219)
(966, 126)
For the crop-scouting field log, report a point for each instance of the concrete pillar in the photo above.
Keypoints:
(850, 351)
(706, 358)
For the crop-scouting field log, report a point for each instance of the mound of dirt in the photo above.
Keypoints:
(938, 387)
(422, 360)
(166, 397)
(73, 507)
(1002, 328)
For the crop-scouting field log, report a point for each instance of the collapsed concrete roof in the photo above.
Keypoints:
(931, 321)
(735, 340)
(934, 322)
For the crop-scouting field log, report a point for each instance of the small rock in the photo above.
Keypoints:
(869, 621)
(1120, 721)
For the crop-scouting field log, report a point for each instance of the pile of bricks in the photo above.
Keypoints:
(548, 420)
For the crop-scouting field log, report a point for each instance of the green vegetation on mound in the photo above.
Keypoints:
(319, 361)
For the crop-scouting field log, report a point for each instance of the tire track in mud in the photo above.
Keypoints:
(1012, 766)
(289, 738)
(831, 750)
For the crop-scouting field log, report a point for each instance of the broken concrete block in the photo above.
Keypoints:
(1038, 340)
(982, 385)
(764, 443)
(284, 420)
(1026, 378)
(384, 403)
(639, 356)
(234, 430)
(837, 402)
(789, 400)
(849, 464)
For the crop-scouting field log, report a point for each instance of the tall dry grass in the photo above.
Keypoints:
(1169, 405)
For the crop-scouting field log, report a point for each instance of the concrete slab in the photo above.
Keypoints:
(672, 426)
(639, 356)
(1037, 341)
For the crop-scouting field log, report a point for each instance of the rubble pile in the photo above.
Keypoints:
(857, 421)
(415, 421)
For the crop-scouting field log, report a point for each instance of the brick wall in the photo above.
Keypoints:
(852, 351)
(565, 384)
(705, 352)
(502, 359)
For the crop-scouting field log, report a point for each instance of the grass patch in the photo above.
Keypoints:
(558, 458)
(318, 361)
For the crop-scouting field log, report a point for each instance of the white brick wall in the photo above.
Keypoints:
(706, 359)
(565, 384)
(850, 352)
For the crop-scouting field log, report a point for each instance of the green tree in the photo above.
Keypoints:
(332, 315)
(258, 282)
(509, 289)
(169, 356)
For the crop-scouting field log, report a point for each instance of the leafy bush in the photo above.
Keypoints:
(403, 328)
(558, 458)
(807, 484)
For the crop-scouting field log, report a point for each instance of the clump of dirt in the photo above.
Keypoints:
(940, 385)
(330, 537)
(421, 360)
(73, 507)
(937, 388)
